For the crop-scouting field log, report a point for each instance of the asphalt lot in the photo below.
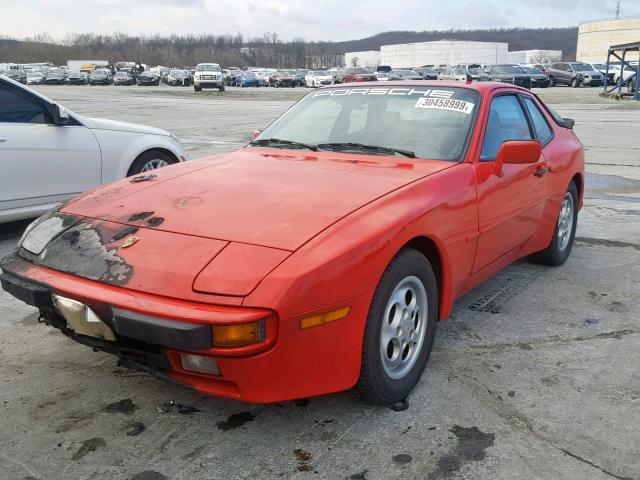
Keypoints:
(535, 376)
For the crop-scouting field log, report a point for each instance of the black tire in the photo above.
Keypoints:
(221, 88)
(552, 81)
(375, 384)
(631, 85)
(576, 82)
(554, 255)
(197, 89)
(149, 156)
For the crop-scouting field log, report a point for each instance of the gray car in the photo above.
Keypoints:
(574, 74)
(509, 73)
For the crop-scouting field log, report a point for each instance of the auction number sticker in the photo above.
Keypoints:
(446, 104)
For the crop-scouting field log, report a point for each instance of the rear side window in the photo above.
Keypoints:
(18, 107)
(542, 128)
(507, 121)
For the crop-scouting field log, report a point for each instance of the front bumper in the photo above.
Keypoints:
(152, 331)
(208, 83)
(593, 82)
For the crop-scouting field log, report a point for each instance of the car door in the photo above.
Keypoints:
(565, 73)
(510, 206)
(41, 163)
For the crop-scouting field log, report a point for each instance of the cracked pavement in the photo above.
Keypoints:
(535, 375)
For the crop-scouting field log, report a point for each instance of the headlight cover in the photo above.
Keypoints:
(41, 231)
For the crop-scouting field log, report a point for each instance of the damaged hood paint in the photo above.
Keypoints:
(257, 196)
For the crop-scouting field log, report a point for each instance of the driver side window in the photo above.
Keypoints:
(19, 107)
(506, 121)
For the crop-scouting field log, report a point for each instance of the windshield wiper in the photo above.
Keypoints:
(266, 142)
(361, 146)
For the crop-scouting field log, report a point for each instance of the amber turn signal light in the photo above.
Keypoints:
(240, 335)
(323, 318)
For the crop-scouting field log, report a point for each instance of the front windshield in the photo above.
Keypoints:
(321, 73)
(282, 73)
(582, 67)
(249, 74)
(176, 73)
(432, 123)
(361, 70)
(208, 68)
(122, 74)
(531, 70)
(506, 69)
(407, 73)
(600, 66)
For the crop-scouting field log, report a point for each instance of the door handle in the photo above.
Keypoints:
(541, 172)
(2, 139)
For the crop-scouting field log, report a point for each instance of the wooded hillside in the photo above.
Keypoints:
(267, 50)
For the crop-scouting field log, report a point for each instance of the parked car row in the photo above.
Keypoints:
(211, 75)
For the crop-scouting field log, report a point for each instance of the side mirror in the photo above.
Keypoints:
(255, 134)
(568, 123)
(517, 152)
(60, 115)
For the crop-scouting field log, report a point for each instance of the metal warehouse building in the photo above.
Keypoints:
(595, 38)
(534, 56)
(444, 52)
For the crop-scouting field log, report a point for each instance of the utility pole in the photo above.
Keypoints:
(618, 10)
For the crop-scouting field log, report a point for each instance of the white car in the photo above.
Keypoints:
(208, 75)
(628, 76)
(318, 78)
(49, 154)
(457, 74)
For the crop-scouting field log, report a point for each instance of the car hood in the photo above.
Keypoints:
(103, 124)
(259, 196)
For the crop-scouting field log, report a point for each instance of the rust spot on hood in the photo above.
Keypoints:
(140, 216)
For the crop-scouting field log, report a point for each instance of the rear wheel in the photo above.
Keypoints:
(631, 85)
(221, 88)
(561, 244)
(151, 160)
(399, 330)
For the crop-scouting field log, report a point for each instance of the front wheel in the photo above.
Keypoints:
(552, 81)
(221, 88)
(150, 160)
(400, 329)
(631, 85)
(576, 82)
(561, 244)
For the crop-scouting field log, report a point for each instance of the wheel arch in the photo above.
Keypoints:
(428, 247)
(578, 180)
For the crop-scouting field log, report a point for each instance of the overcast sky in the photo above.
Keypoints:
(310, 19)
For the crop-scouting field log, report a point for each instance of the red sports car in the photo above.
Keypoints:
(321, 255)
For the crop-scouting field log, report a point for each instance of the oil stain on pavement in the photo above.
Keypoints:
(471, 447)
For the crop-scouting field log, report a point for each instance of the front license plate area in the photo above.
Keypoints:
(81, 319)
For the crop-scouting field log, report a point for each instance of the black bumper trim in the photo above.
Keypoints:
(28, 292)
(162, 331)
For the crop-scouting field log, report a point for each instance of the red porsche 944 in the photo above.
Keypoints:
(319, 257)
